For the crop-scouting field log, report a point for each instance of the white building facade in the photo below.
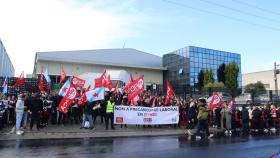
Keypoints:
(76, 63)
(266, 77)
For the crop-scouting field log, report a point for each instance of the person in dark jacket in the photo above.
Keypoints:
(191, 115)
(266, 117)
(35, 108)
(27, 104)
(217, 114)
(245, 119)
(256, 118)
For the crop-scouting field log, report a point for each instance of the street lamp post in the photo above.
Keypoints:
(276, 71)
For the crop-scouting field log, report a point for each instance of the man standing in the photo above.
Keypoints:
(19, 114)
(87, 115)
(36, 107)
(202, 118)
(245, 119)
(110, 113)
(26, 108)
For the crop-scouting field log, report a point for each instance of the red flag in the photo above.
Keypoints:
(116, 91)
(41, 83)
(101, 81)
(20, 80)
(129, 84)
(83, 98)
(62, 75)
(169, 94)
(134, 101)
(109, 83)
(216, 101)
(78, 82)
(136, 87)
(68, 99)
(231, 104)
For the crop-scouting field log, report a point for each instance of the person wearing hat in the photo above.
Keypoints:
(202, 118)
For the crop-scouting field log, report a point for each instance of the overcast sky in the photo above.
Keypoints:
(153, 26)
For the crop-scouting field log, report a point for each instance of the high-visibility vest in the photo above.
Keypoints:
(110, 106)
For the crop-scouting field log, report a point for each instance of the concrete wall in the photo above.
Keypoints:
(151, 76)
(266, 77)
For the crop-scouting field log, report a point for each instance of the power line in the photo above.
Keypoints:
(256, 7)
(240, 11)
(221, 15)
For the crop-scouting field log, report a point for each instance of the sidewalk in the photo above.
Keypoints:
(74, 131)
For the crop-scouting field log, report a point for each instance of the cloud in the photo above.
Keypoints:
(30, 26)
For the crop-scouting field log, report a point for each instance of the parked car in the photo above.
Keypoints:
(246, 98)
(264, 98)
(275, 98)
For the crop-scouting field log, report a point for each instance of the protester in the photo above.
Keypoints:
(202, 118)
(27, 105)
(110, 113)
(217, 117)
(256, 119)
(19, 114)
(226, 115)
(35, 109)
(87, 116)
(124, 103)
(273, 114)
(245, 119)
(192, 115)
(266, 118)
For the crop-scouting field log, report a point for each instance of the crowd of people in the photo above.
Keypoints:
(29, 109)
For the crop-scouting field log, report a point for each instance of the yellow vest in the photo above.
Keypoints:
(110, 107)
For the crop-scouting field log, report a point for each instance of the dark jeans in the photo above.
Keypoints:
(245, 125)
(202, 125)
(191, 123)
(111, 117)
(60, 118)
(35, 118)
(217, 121)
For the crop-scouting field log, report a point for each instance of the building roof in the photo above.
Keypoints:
(256, 72)
(125, 57)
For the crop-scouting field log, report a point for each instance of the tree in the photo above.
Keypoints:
(231, 76)
(221, 73)
(216, 86)
(254, 88)
(200, 79)
(208, 77)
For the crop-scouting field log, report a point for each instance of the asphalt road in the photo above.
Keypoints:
(142, 147)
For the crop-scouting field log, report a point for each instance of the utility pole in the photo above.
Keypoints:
(276, 71)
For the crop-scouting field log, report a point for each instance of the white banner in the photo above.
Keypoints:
(145, 115)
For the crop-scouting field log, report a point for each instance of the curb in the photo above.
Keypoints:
(74, 135)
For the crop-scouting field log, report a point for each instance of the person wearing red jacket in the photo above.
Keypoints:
(273, 114)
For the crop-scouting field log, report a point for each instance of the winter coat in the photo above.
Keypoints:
(36, 106)
(192, 112)
(257, 114)
(203, 113)
(244, 114)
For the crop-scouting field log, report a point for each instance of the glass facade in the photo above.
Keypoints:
(6, 66)
(184, 65)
